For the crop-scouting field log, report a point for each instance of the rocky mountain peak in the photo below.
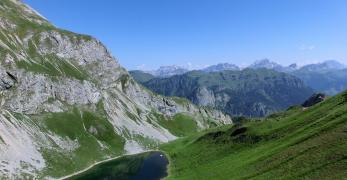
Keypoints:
(221, 67)
(166, 71)
(265, 63)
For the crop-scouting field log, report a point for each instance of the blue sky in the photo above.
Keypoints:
(150, 33)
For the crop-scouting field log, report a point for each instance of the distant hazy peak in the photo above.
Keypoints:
(324, 66)
(170, 67)
(221, 67)
(166, 71)
(294, 65)
(265, 63)
(334, 64)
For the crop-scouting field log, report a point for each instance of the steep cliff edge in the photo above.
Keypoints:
(66, 103)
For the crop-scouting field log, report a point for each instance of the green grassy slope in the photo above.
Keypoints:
(296, 144)
(141, 76)
(89, 129)
(180, 125)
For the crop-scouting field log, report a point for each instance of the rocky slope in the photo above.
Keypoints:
(239, 93)
(65, 102)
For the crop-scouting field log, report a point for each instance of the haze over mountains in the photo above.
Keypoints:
(328, 65)
(260, 89)
(328, 76)
(249, 92)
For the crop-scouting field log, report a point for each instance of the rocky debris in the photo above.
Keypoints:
(19, 147)
(7, 80)
(6, 24)
(314, 99)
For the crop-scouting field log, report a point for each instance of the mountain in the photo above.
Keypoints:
(167, 71)
(300, 143)
(328, 77)
(141, 76)
(267, 64)
(329, 65)
(66, 103)
(221, 67)
(329, 82)
(250, 92)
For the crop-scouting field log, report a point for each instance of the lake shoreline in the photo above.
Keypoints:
(111, 159)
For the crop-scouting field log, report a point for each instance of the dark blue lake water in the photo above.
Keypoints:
(146, 166)
(154, 167)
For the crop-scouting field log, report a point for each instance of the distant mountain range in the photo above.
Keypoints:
(328, 77)
(249, 92)
(325, 66)
(221, 67)
(167, 71)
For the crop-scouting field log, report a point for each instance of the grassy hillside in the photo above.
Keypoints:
(296, 144)
(141, 76)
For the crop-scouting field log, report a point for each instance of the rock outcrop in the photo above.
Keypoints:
(314, 99)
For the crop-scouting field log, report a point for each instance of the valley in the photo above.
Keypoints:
(249, 92)
(303, 143)
(69, 109)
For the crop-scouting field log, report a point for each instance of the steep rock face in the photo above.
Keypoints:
(204, 97)
(65, 102)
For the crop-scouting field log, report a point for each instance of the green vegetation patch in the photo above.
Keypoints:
(179, 125)
(298, 144)
(141, 76)
(95, 137)
(180, 100)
